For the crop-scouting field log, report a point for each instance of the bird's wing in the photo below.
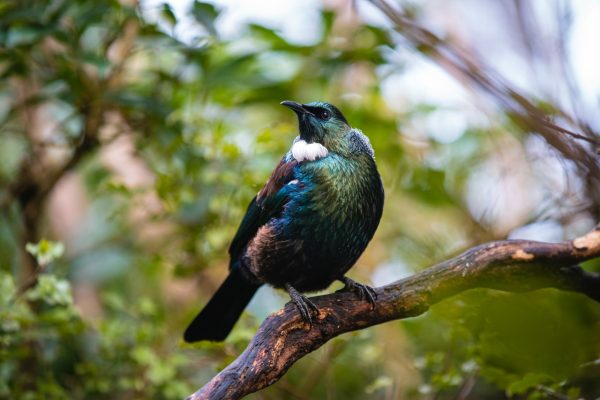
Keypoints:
(267, 204)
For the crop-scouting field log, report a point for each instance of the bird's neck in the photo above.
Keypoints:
(344, 175)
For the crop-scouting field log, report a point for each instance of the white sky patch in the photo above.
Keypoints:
(280, 66)
(544, 231)
(265, 301)
(390, 272)
(445, 126)
(372, 15)
(501, 192)
(298, 21)
(584, 49)
(423, 82)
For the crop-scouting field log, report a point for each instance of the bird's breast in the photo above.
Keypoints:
(331, 216)
(342, 204)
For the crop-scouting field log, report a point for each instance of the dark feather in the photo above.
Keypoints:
(267, 204)
(217, 319)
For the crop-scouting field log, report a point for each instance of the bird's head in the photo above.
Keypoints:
(320, 122)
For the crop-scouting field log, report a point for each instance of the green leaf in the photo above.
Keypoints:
(21, 36)
(7, 288)
(205, 14)
(168, 15)
(526, 383)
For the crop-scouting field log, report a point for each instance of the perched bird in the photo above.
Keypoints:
(307, 226)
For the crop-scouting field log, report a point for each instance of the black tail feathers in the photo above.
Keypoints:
(218, 317)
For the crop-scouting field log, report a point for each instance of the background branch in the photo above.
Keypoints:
(529, 114)
(511, 265)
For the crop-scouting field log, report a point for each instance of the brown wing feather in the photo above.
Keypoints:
(262, 208)
(280, 176)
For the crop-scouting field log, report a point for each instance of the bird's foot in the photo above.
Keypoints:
(303, 304)
(364, 292)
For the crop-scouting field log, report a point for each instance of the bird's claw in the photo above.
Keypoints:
(303, 304)
(364, 292)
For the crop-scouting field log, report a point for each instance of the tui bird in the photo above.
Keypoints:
(307, 226)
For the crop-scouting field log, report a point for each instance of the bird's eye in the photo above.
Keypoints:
(324, 115)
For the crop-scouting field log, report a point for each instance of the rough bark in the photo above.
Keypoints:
(511, 265)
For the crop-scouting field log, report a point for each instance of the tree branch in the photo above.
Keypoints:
(510, 265)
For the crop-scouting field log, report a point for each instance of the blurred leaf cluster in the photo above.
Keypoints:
(136, 150)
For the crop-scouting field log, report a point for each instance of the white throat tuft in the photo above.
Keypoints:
(302, 151)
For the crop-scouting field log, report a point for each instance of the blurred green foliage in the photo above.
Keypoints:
(200, 118)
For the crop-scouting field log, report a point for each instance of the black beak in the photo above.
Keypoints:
(296, 107)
